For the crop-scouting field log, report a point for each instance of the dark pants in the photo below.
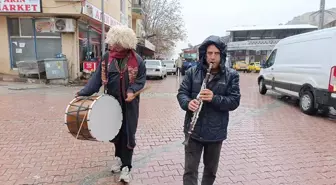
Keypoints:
(192, 159)
(120, 143)
(177, 71)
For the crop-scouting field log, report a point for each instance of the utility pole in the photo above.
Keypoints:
(321, 13)
(103, 30)
(322, 9)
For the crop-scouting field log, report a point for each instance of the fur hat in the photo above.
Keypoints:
(122, 35)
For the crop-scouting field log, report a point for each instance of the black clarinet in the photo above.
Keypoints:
(196, 113)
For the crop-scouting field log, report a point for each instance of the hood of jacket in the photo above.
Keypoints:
(219, 43)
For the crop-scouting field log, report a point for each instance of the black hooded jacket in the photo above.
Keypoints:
(213, 119)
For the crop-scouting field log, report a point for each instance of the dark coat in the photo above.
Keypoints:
(113, 86)
(213, 119)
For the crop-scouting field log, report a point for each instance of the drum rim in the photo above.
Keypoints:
(90, 108)
(66, 110)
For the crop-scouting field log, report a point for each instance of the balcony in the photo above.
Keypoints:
(137, 11)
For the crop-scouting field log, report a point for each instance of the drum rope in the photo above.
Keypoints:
(80, 128)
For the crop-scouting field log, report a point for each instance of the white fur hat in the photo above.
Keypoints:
(122, 35)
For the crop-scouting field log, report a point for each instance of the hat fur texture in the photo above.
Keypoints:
(123, 36)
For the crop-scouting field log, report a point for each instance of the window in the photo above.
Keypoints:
(27, 44)
(153, 62)
(168, 62)
(271, 59)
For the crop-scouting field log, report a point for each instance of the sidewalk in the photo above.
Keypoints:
(12, 78)
(16, 78)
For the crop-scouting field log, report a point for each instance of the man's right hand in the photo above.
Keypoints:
(193, 105)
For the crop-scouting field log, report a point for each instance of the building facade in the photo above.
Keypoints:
(253, 44)
(39, 29)
(330, 24)
(144, 48)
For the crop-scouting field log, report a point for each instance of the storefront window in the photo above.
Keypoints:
(89, 43)
(27, 44)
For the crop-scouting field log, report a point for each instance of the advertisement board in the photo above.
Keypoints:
(20, 6)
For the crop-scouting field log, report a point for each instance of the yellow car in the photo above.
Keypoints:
(254, 66)
(240, 66)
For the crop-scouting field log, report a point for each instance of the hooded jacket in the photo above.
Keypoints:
(213, 119)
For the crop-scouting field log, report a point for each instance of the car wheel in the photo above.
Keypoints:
(307, 104)
(262, 87)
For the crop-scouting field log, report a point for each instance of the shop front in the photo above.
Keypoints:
(30, 31)
(90, 31)
(145, 49)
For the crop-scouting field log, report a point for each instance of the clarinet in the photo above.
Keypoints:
(196, 113)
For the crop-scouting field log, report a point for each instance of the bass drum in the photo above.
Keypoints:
(97, 118)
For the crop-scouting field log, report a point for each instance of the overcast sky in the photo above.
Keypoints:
(206, 17)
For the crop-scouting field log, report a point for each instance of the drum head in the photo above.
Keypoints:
(105, 118)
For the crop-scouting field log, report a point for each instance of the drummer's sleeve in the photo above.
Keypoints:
(93, 84)
(140, 80)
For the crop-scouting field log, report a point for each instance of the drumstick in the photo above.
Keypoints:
(140, 91)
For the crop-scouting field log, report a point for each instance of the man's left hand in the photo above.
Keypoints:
(130, 97)
(206, 95)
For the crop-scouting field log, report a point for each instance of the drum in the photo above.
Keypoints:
(97, 118)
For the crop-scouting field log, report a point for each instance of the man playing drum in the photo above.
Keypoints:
(126, 74)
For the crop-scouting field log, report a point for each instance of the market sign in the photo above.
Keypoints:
(17, 6)
(96, 14)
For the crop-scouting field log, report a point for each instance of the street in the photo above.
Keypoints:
(269, 140)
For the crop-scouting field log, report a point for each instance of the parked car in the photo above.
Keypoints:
(254, 67)
(171, 66)
(303, 67)
(156, 68)
(240, 66)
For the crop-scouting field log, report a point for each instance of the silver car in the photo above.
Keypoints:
(156, 68)
(171, 66)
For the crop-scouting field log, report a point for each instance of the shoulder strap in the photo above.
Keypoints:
(104, 65)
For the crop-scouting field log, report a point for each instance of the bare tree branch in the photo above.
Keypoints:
(164, 20)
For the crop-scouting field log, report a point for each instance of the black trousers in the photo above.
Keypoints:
(193, 154)
(120, 144)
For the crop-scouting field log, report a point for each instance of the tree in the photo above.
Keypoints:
(163, 24)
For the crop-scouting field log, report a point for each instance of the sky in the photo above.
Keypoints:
(214, 17)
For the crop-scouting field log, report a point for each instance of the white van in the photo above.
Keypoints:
(304, 67)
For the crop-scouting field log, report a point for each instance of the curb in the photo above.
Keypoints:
(12, 79)
(36, 81)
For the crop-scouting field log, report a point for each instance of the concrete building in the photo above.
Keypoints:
(34, 30)
(144, 48)
(330, 24)
(253, 44)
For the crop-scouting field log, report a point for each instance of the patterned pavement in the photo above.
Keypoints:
(269, 141)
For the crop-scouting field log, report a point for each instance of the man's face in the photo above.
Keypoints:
(117, 47)
(213, 56)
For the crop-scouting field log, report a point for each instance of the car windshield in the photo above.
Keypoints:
(168, 62)
(153, 62)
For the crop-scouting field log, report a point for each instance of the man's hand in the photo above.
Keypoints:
(193, 105)
(206, 95)
(130, 97)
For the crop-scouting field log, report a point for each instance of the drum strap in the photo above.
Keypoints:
(104, 73)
